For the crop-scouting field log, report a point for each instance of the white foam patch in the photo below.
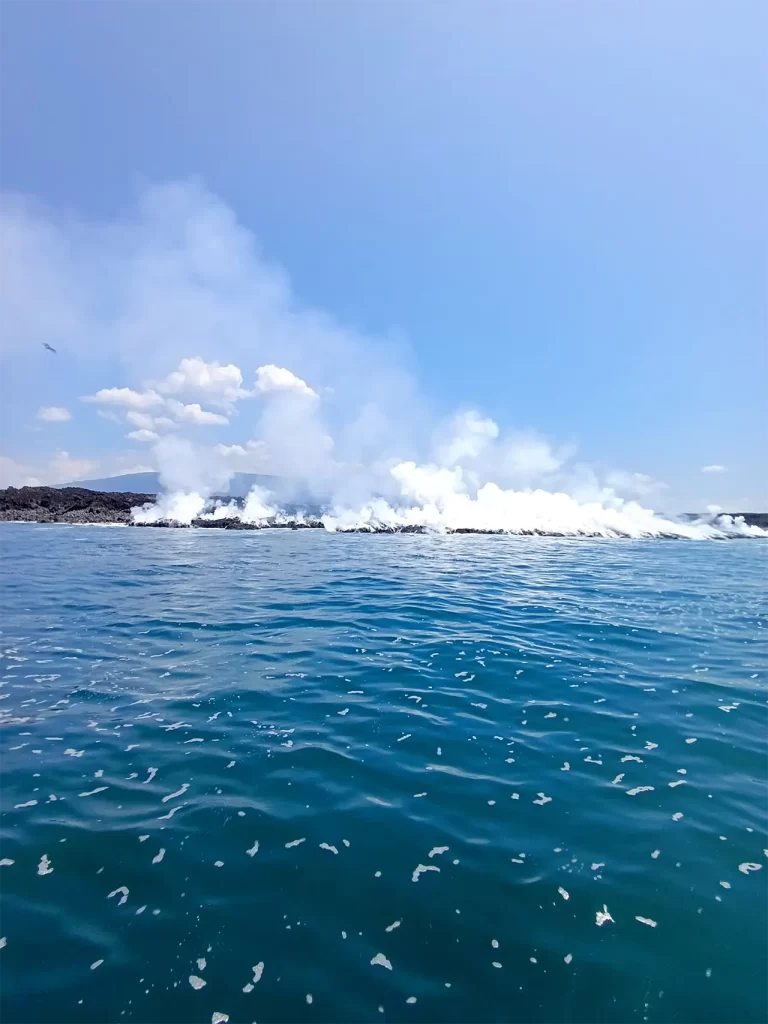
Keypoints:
(603, 916)
(178, 792)
(422, 869)
(170, 814)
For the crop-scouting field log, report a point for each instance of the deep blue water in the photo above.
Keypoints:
(487, 708)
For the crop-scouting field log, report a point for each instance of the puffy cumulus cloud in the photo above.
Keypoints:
(194, 414)
(273, 379)
(714, 468)
(194, 376)
(53, 414)
(143, 435)
(221, 383)
(141, 420)
(126, 398)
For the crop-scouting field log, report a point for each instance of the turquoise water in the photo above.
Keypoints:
(223, 752)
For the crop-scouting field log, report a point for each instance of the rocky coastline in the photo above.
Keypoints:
(68, 505)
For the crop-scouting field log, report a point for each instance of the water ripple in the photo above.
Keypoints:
(266, 740)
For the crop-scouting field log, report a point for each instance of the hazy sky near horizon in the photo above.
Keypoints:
(553, 213)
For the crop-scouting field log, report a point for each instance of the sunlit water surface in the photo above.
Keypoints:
(289, 777)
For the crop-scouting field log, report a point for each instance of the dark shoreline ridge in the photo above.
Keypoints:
(78, 505)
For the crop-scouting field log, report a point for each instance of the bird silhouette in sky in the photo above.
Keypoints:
(49, 347)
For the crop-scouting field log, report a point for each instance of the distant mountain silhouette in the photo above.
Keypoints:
(149, 483)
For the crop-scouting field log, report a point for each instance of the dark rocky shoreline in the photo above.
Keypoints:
(78, 505)
(68, 505)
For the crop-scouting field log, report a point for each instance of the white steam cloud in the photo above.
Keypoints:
(456, 492)
(224, 371)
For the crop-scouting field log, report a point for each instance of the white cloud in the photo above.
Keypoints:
(64, 468)
(637, 485)
(53, 414)
(106, 414)
(126, 398)
(212, 380)
(143, 435)
(194, 414)
(61, 469)
(714, 468)
(178, 296)
(16, 474)
(135, 402)
(271, 379)
(142, 420)
(253, 457)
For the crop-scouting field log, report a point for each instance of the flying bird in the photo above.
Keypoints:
(49, 347)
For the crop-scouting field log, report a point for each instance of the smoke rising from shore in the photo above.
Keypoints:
(457, 491)
(222, 370)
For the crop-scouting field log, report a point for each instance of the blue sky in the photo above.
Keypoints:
(553, 213)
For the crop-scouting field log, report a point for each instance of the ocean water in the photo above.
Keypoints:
(299, 776)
